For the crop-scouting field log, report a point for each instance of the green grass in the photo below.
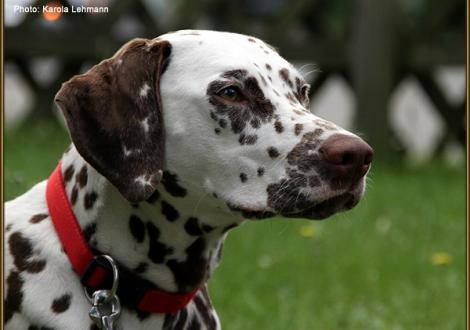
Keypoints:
(31, 152)
(369, 268)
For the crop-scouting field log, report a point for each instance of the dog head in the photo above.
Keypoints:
(226, 115)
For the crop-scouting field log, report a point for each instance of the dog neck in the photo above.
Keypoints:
(169, 239)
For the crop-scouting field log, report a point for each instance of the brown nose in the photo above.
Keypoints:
(347, 158)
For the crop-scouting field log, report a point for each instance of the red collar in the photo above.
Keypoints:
(133, 291)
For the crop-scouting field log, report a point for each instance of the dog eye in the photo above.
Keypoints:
(230, 93)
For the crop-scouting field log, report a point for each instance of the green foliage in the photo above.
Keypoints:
(370, 268)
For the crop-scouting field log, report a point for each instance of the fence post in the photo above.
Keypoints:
(373, 64)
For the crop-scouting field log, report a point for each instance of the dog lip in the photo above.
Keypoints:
(326, 208)
(251, 213)
(343, 201)
(319, 211)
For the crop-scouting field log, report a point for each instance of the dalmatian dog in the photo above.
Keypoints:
(176, 141)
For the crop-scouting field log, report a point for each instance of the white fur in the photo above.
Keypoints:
(145, 125)
(144, 90)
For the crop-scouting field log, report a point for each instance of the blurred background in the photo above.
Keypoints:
(393, 71)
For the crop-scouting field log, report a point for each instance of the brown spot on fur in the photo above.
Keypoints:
(68, 173)
(263, 108)
(37, 218)
(222, 123)
(255, 123)
(284, 73)
(273, 152)
(192, 227)
(14, 295)
(278, 126)
(137, 228)
(260, 171)
(251, 40)
(82, 177)
(22, 253)
(243, 177)
(190, 273)
(61, 304)
(268, 67)
(89, 231)
(298, 128)
(36, 266)
(74, 196)
(89, 200)
(157, 250)
(301, 154)
(169, 211)
(247, 139)
(238, 118)
(35, 327)
(172, 184)
(217, 130)
(154, 197)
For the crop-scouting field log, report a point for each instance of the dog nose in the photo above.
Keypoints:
(347, 158)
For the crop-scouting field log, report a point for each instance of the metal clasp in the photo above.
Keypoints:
(105, 305)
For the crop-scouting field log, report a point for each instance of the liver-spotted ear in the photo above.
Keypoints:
(114, 115)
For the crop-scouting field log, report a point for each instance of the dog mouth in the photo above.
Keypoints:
(312, 211)
(289, 200)
(326, 208)
(250, 213)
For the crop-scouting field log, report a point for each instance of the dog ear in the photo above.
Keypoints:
(114, 115)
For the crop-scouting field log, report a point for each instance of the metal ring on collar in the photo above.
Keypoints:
(113, 290)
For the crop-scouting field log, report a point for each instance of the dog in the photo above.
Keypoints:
(175, 141)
